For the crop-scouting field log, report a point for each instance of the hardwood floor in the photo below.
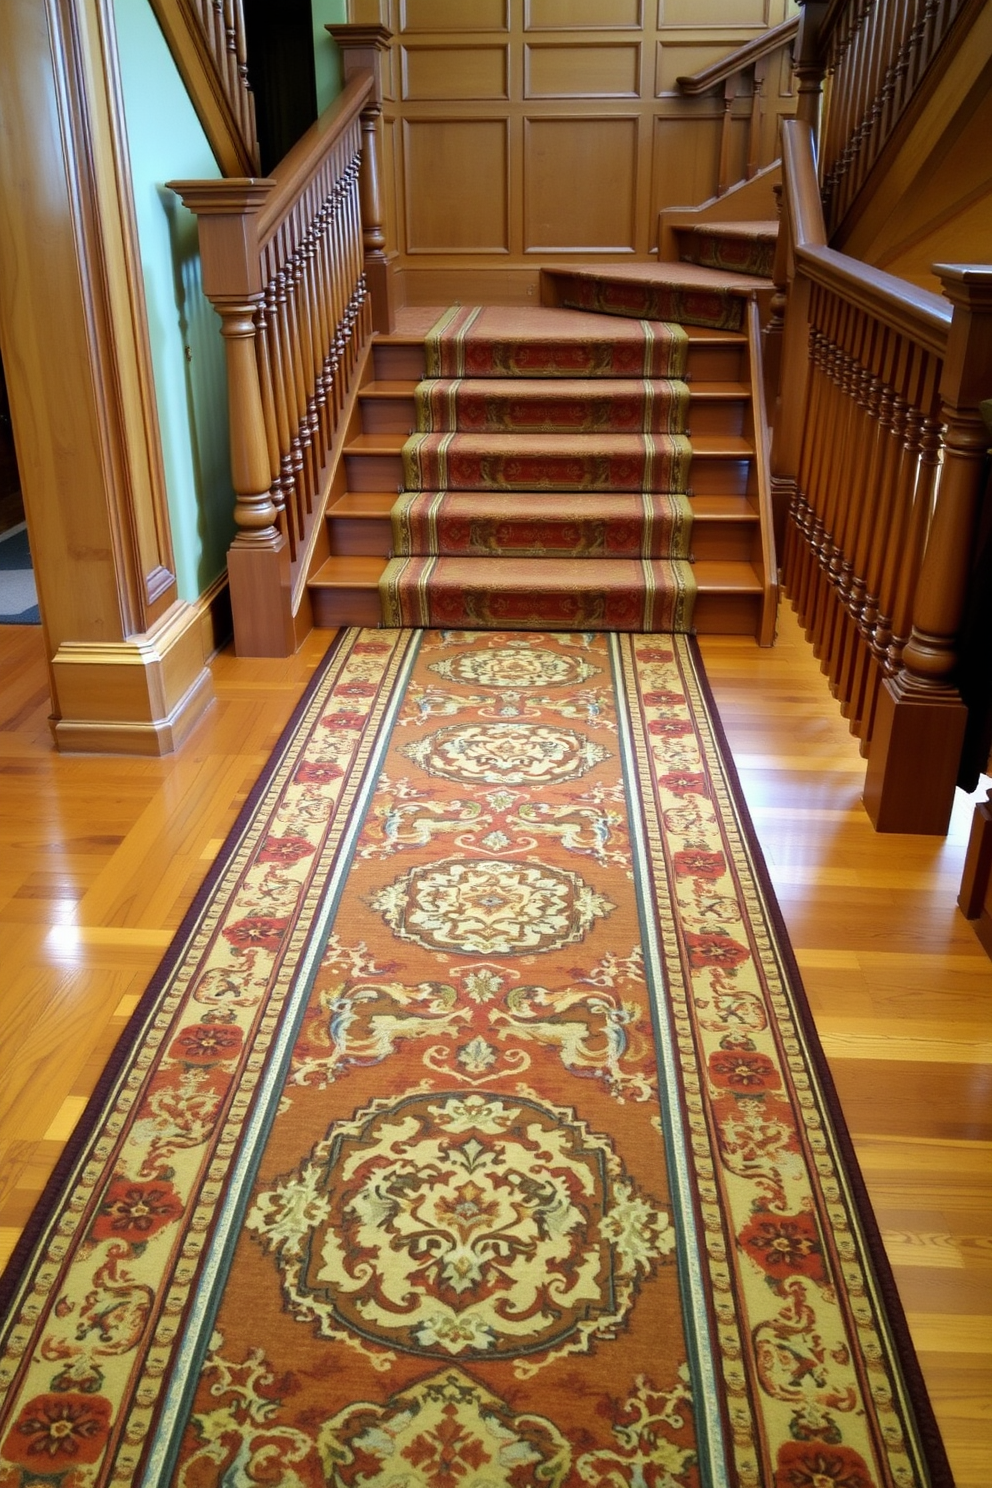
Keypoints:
(99, 858)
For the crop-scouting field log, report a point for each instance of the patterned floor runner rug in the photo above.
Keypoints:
(473, 1133)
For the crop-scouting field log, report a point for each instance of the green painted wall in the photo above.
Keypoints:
(166, 142)
(327, 58)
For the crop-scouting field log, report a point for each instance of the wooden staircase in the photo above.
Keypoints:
(733, 594)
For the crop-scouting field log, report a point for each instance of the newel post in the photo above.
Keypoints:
(258, 558)
(809, 64)
(367, 48)
(920, 719)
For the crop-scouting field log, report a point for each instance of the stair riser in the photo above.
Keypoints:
(708, 475)
(397, 415)
(725, 540)
(334, 608)
(727, 614)
(709, 361)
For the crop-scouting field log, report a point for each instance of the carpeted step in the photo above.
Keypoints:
(541, 524)
(538, 594)
(546, 462)
(686, 293)
(503, 341)
(564, 405)
(739, 247)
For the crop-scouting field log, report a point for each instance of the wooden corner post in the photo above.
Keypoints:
(364, 48)
(920, 722)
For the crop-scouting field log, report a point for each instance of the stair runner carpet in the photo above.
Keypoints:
(546, 485)
(719, 265)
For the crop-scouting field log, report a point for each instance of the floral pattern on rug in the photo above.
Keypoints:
(499, 1162)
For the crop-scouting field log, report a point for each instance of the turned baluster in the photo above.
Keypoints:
(853, 582)
(851, 495)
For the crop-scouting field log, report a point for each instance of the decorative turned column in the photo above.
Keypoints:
(920, 720)
(366, 48)
(258, 560)
(809, 65)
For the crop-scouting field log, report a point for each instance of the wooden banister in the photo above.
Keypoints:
(879, 449)
(877, 57)
(207, 41)
(744, 57)
(751, 57)
(282, 262)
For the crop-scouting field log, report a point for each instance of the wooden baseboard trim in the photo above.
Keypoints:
(137, 696)
(214, 610)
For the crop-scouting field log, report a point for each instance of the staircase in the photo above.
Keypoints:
(734, 580)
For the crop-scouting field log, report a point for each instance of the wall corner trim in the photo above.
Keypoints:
(141, 695)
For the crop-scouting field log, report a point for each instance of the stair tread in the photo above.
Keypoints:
(731, 446)
(724, 576)
(764, 229)
(349, 573)
(388, 387)
(379, 504)
(663, 271)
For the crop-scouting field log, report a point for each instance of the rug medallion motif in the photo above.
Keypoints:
(471, 1137)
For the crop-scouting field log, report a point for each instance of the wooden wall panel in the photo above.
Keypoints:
(580, 177)
(697, 13)
(523, 127)
(679, 56)
(685, 160)
(570, 15)
(589, 70)
(465, 208)
(454, 16)
(455, 72)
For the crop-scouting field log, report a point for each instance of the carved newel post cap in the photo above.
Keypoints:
(362, 47)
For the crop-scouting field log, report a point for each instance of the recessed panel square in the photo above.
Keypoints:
(581, 71)
(455, 185)
(454, 72)
(575, 15)
(454, 15)
(579, 183)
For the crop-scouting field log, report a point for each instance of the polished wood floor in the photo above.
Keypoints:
(99, 858)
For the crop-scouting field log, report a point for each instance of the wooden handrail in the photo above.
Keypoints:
(923, 316)
(879, 57)
(800, 190)
(744, 57)
(283, 263)
(207, 41)
(296, 169)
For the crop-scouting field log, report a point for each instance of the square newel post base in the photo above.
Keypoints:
(913, 764)
(261, 598)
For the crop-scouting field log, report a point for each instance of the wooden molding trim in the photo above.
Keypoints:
(214, 610)
(138, 696)
(74, 329)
